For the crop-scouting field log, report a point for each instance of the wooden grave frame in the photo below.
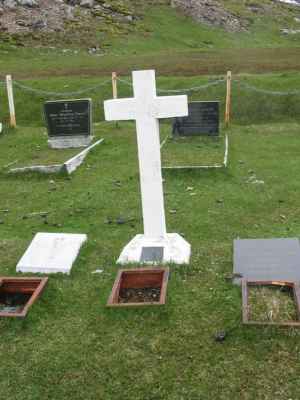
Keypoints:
(140, 278)
(246, 284)
(32, 286)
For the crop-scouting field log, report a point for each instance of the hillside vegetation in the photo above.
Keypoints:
(158, 36)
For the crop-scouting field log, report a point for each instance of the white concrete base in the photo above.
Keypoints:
(67, 142)
(176, 249)
(51, 253)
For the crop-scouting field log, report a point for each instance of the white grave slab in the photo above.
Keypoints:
(51, 253)
(146, 108)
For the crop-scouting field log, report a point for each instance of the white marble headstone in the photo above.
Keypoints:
(51, 253)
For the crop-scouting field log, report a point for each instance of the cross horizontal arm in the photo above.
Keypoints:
(170, 106)
(120, 109)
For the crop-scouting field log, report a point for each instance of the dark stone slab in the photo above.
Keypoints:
(68, 118)
(267, 259)
(152, 254)
(203, 119)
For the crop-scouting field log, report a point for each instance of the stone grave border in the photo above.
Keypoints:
(215, 166)
(246, 284)
(69, 166)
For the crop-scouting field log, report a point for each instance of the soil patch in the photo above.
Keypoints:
(140, 295)
(13, 302)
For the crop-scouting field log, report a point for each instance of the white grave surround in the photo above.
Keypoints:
(51, 253)
(146, 108)
(69, 166)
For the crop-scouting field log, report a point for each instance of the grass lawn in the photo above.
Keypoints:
(191, 150)
(72, 347)
(28, 146)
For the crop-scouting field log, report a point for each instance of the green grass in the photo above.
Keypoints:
(272, 304)
(34, 148)
(72, 346)
(191, 150)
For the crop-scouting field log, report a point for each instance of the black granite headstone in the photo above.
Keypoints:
(152, 254)
(203, 119)
(267, 259)
(68, 117)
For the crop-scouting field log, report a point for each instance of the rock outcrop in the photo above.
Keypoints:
(25, 16)
(211, 12)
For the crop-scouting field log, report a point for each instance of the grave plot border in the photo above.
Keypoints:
(246, 284)
(215, 166)
(41, 283)
(69, 166)
(140, 273)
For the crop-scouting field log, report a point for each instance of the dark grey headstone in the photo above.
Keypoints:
(203, 119)
(267, 259)
(68, 117)
(152, 254)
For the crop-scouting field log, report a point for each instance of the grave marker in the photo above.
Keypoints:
(203, 119)
(146, 108)
(267, 259)
(69, 123)
(51, 253)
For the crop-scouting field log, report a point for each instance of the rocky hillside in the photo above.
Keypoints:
(211, 12)
(82, 23)
(235, 16)
(74, 21)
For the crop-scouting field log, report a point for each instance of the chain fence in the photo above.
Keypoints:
(251, 101)
(59, 94)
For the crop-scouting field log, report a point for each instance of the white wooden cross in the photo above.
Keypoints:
(146, 109)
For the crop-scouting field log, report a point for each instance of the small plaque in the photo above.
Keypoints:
(152, 254)
(267, 259)
(203, 119)
(65, 118)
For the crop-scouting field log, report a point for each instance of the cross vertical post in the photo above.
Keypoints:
(146, 108)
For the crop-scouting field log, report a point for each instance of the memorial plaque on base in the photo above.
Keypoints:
(203, 119)
(69, 122)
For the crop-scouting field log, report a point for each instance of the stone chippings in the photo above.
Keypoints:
(22, 16)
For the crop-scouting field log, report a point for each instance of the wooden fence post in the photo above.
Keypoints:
(11, 104)
(228, 100)
(114, 79)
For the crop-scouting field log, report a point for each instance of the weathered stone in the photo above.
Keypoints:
(11, 4)
(210, 12)
(28, 3)
(87, 3)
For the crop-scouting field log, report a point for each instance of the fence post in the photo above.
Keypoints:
(114, 79)
(228, 100)
(10, 94)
